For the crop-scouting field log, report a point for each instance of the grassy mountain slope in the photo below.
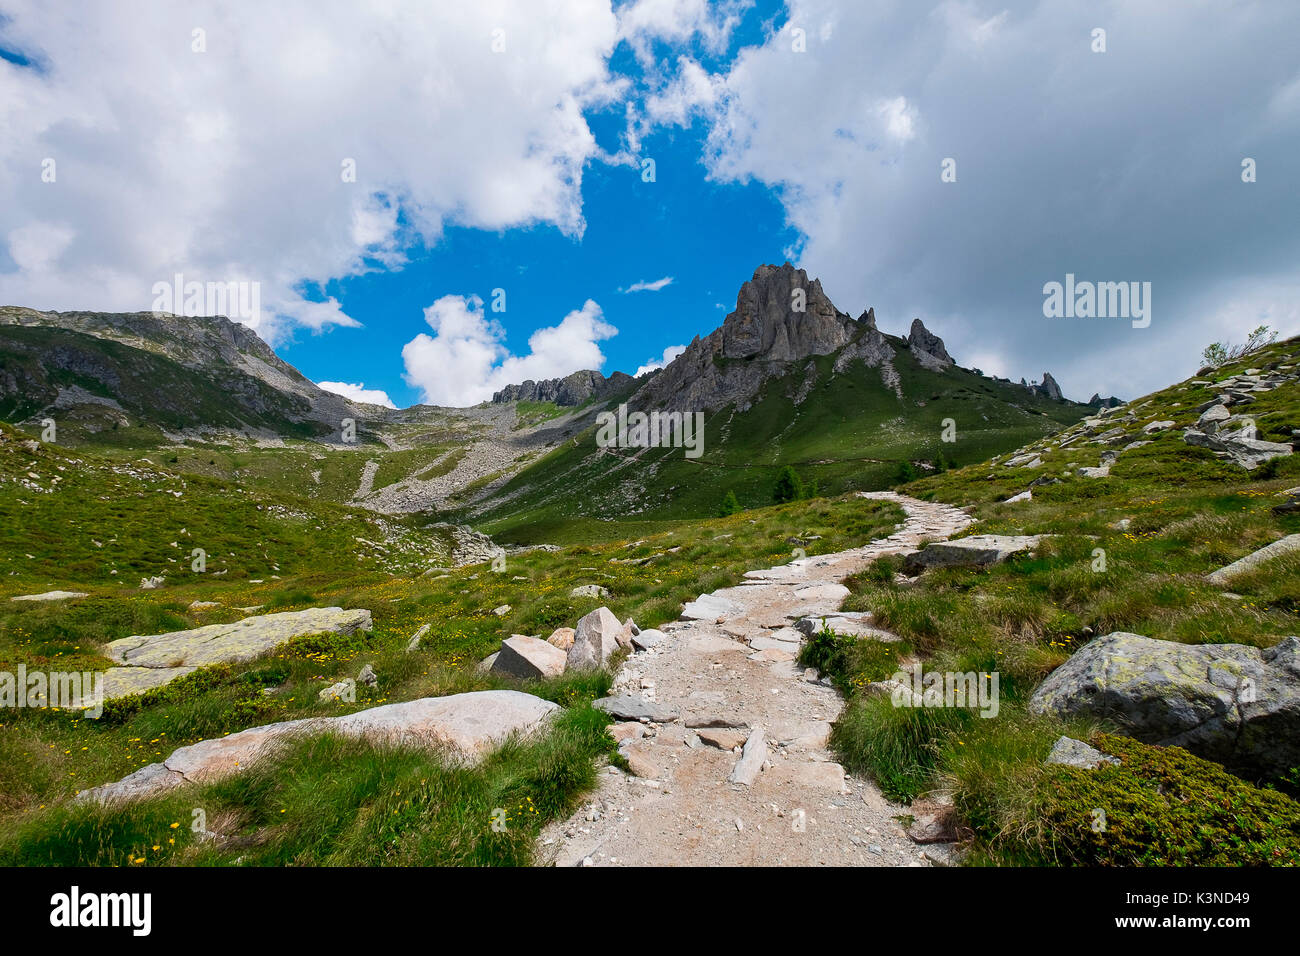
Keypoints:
(1128, 552)
(848, 431)
(128, 395)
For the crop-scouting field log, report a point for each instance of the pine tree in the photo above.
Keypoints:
(730, 505)
(788, 487)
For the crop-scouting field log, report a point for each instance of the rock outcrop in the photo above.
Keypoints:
(781, 317)
(1231, 703)
(573, 389)
(928, 347)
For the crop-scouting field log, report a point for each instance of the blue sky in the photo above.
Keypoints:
(498, 145)
(708, 237)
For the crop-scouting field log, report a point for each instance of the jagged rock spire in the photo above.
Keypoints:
(928, 347)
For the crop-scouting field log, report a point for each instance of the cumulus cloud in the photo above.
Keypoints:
(651, 364)
(1066, 160)
(359, 393)
(307, 140)
(646, 286)
(465, 360)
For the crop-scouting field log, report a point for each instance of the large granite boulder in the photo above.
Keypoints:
(529, 658)
(1231, 703)
(595, 641)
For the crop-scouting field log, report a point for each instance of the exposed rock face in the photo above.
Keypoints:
(1241, 447)
(573, 389)
(764, 334)
(211, 344)
(1231, 703)
(1098, 402)
(928, 347)
(1048, 388)
(465, 726)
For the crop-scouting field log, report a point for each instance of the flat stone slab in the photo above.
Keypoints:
(1287, 545)
(464, 726)
(635, 707)
(710, 607)
(977, 551)
(238, 641)
(51, 596)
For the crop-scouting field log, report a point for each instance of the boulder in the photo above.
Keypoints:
(528, 658)
(589, 590)
(649, 638)
(595, 641)
(562, 637)
(977, 551)
(1287, 545)
(1231, 703)
(1159, 426)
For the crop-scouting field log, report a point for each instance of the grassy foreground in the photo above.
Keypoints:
(326, 801)
(1126, 553)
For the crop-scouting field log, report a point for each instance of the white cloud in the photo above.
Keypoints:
(1066, 161)
(466, 358)
(359, 393)
(646, 286)
(227, 164)
(670, 353)
(642, 22)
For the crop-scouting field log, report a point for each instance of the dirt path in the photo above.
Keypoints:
(729, 662)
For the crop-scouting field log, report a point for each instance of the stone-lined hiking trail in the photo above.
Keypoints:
(725, 674)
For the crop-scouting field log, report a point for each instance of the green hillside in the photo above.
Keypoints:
(850, 432)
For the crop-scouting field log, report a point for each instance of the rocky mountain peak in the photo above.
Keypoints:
(928, 347)
(781, 315)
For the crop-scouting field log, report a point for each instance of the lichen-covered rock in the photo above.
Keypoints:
(238, 641)
(1231, 703)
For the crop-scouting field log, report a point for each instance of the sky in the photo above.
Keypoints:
(426, 202)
